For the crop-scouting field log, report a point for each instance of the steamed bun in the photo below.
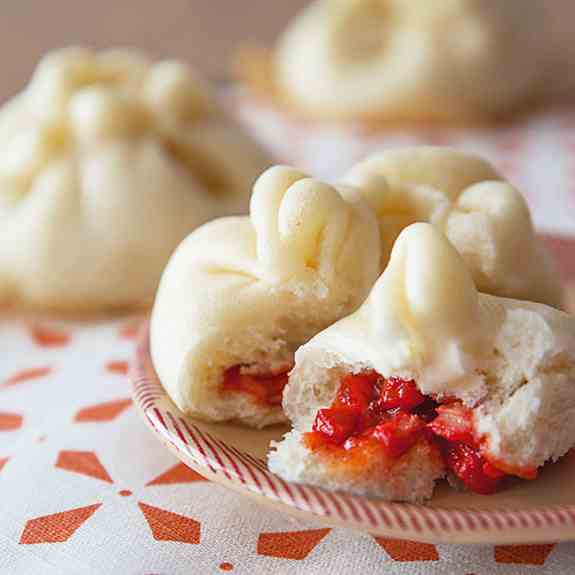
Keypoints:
(484, 217)
(415, 59)
(240, 295)
(107, 161)
(429, 376)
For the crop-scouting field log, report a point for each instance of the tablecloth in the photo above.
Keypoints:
(86, 489)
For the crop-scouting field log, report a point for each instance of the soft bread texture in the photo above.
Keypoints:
(484, 217)
(513, 362)
(410, 478)
(250, 290)
(397, 60)
(107, 161)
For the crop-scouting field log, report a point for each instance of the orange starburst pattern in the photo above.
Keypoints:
(118, 367)
(180, 473)
(131, 329)
(400, 550)
(10, 421)
(169, 526)
(58, 527)
(290, 544)
(84, 463)
(103, 411)
(28, 374)
(44, 336)
(523, 554)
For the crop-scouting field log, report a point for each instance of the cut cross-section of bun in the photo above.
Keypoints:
(430, 377)
(483, 216)
(240, 295)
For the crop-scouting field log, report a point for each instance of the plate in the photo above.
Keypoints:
(234, 456)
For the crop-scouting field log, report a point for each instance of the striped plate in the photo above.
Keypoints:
(528, 512)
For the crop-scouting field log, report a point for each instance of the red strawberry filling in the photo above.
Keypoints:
(394, 415)
(400, 393)
(264, 389)
(336, 424)
(454, 423)
(466, 463)
(399, 434)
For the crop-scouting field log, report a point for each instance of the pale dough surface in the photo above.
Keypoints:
(484, 217)
(250, 290)
(107, 161)
(416, 59)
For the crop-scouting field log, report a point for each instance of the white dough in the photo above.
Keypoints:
(251, 290)
(513, 362)
(416, 59)
(484, 217)
(107, 161)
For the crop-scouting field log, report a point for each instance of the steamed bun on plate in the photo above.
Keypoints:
(107, 161)
(240, 295)
(427, 377)
(414, 59)
(484, 217)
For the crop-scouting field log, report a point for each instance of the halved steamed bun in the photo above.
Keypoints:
(427, 377)
(411, 60)
(484, 217)
(107, 161)
(240, 295)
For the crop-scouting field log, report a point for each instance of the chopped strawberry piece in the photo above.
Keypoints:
(401, 393)
(399, 433)
(492, 471)
(468, 465)
(265, 389)
(336, 424)
(357, 390)
(522, 471)
(372, 414)
(454, 422)
(356, 441)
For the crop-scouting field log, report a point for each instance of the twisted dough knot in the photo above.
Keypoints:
(426, 291)
(166, 89)
(79, 98)
(304, 225)
(485, 218)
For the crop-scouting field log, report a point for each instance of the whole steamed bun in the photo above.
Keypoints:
(107, 161)
(248, 291)
(416, 59)
(484, 217)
